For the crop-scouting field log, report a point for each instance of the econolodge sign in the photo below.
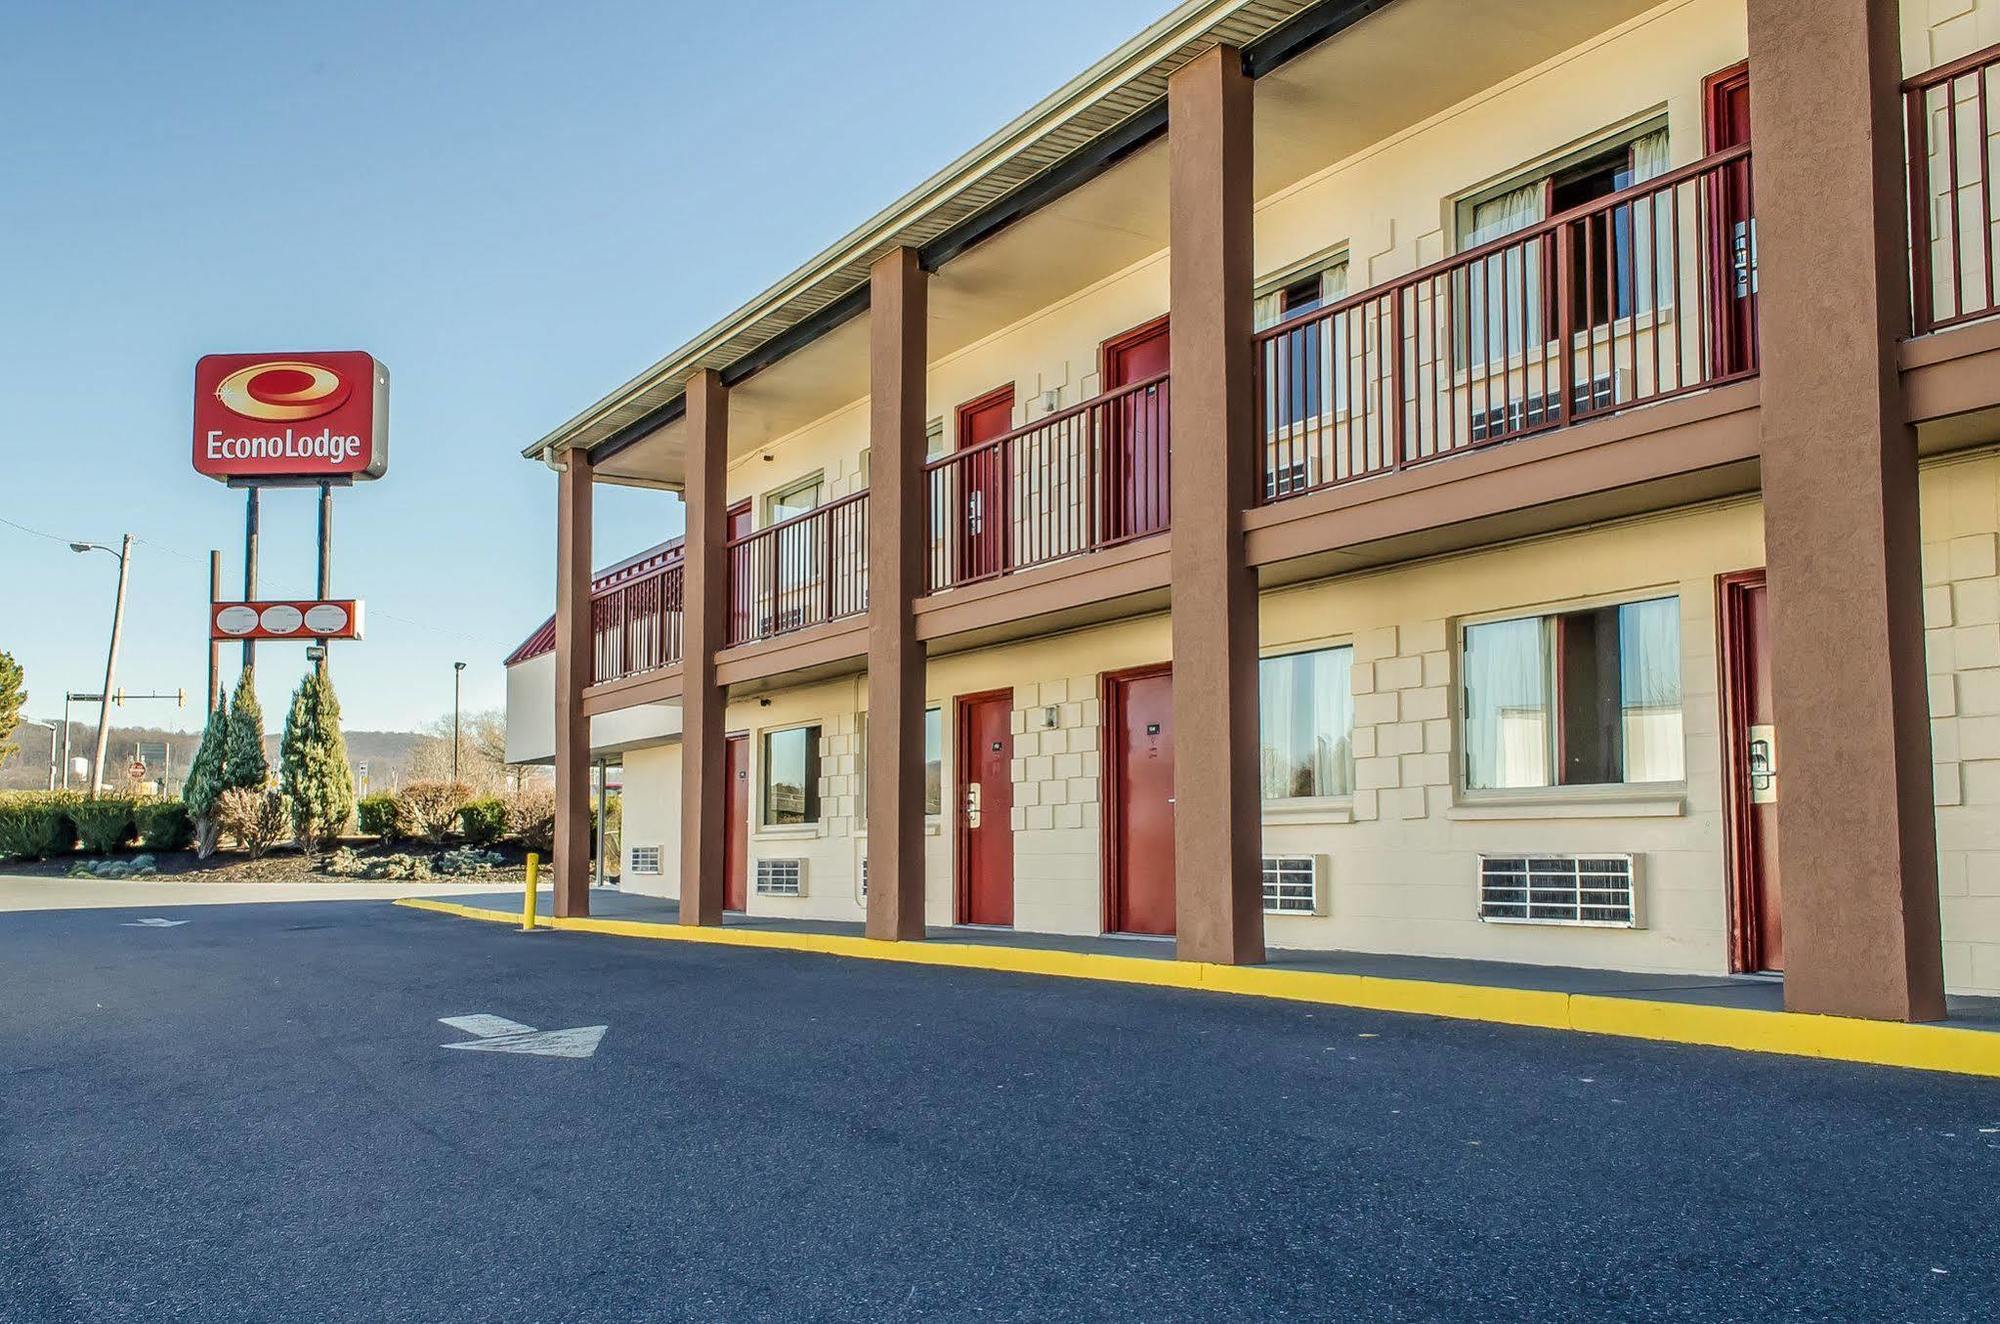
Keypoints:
(290, 417)
(319, 619)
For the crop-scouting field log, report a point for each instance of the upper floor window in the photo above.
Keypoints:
(797, 499)
(1301, 382)
(1306, 724)
(791, 776)
(1575, 699)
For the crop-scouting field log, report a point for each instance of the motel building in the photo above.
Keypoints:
(1513, 481)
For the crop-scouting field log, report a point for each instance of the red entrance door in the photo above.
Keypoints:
(1732, 238)
(736, 846)
(1139, 724)
(982, 485)
(1134, 500)
(986, 808)
(1751, 760)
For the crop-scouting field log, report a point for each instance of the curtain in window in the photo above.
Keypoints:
(1649, 666)
(1306, 719)
(1499, 324)
(1507, 716)
(1652, 224)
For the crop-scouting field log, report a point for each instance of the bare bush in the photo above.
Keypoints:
(258, 820)
(428, 810)
(531, 817)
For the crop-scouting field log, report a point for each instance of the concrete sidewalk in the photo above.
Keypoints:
(20, 892)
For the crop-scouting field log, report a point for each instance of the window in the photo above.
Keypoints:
(1578, 699)
(1300, 372)
(1607, 279)
(791, 776)
(1306, 719)
(933, 763)
(786, 502)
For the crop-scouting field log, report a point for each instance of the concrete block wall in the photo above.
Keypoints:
(1057, 810)
(1961, 527)
(1402, 721)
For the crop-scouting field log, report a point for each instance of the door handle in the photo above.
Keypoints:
(1762, 764)
(972, 804)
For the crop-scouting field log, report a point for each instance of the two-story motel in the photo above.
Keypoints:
(1510, 480)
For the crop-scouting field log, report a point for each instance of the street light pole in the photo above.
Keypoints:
(457, 670)
(124, 555)
(51, 728)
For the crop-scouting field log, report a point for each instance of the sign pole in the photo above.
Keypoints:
(249, 567)
(325, 560)
(214, 645)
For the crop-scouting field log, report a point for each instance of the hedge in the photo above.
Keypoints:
(103, 825)
(483, 821)
(164, 825)
(37, 824)
(375, 815)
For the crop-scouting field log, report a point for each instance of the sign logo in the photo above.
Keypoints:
(283, 390)
(273, 418)
(336, 619)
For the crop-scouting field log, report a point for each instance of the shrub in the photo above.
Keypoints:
(400, 867)
(531, 818)
(258, 820)
(205, 782)
(139, 866)
(164, 824)
(344, 863)
(312, 761)
(375, 815)
(428, 811)
(103, 825)
(36, 824)
(469, 860)
(484, 821)
(243, 762)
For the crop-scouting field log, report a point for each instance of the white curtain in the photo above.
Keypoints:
(1508, 733)
(1649, 684)
(1653, 227)
(1306, 720)
(1499, 325)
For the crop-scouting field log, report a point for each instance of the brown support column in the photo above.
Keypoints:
(897, 524)
(704, 622)
(571, 870)
(1218, 818)
(1856, 827)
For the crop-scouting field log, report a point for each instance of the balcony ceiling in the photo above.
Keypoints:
(1395, 68)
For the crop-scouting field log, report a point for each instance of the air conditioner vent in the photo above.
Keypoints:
(645, 859)
(781, 878)
(1592, 891)
(1296, 885)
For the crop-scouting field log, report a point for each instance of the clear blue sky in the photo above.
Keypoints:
(515, 206)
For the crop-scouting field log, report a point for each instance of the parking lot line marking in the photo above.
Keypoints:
(1795, 1034)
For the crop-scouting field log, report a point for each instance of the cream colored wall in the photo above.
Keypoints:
(1961, 518)
(1391, 207)
(652, 817)
(1936, 32)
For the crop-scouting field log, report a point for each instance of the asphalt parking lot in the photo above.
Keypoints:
(252, 1115)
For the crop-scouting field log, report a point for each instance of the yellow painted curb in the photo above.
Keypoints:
(1795, 1034)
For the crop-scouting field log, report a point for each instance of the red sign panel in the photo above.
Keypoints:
(291, 416)
(333, 619)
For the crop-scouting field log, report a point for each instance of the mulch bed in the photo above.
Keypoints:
(285, 864)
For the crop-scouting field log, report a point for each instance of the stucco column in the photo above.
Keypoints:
(1217, 815)
(704, 625)
(1856, 833)
(571, 866)
(897, 503)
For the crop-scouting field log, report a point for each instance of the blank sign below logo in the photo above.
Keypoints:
(325, 618)
(236, 620)
(282, 618)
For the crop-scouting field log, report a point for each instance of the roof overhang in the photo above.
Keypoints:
(1096, 120)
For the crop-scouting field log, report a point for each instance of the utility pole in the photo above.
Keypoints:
(214, 645)
(326, 561)
(124, 555)
(457, 670)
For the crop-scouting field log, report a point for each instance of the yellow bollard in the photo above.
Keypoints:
(528, 893)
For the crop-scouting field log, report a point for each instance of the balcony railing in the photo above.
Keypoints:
(801, 572)
(1953, 248)
(1641, 295)
(1089, 477)
(636, 626)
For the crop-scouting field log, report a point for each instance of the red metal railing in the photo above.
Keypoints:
(804, 571)
(1953, 249)
(1091, 476)
(1632, 298)
(636, 626)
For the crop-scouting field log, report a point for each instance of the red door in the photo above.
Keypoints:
(1139, 723)
(986, 808)
(1732, 238)
(736, 524)
(982, 486)
(1134, 500)
(736, 846)
(1751, 760)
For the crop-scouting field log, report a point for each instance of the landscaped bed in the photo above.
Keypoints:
(283, 864)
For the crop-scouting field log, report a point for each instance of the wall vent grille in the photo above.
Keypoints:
(1595, 891)
(781, 878)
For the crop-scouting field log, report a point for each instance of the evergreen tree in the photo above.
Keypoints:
(205, 782)
(243, 762)
(12, 696)
(312, 763)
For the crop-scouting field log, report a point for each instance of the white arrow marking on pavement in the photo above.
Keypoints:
(497, 1034)
(153, 923)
